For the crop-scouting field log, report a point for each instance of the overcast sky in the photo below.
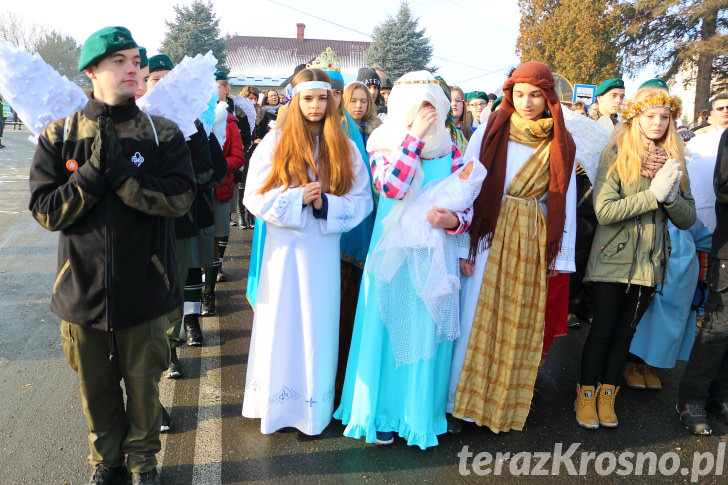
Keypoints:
(474, 40)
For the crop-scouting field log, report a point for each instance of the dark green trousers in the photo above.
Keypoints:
(184, 257)
(115, 432)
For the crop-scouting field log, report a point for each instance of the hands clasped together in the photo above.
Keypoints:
(312, 193)
(106, 147)
(666, 183)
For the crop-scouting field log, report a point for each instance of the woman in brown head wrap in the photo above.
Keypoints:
(514, 248)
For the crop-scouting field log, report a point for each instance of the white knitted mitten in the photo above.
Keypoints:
(664, 179)
(675, 188)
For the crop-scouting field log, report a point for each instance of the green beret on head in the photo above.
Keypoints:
(102, 43)
(160, 62)
(145, 59)
(476, 95)
(496, 103)
(654, 83)
(220, 76)
(614, 83)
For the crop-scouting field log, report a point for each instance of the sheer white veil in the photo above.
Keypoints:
(407, 95)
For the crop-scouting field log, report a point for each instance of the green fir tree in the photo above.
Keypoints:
(62, 52)
(195, 30)
(398, 47)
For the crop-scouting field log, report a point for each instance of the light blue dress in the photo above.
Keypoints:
(355, 243)
(667, 329)
(378, 396)
(256, 261)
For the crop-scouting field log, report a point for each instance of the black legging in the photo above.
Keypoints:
(616, 314)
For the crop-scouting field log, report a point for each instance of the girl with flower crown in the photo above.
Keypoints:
(308, 183)
(641, 184)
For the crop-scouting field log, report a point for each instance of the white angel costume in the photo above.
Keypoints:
(294, 344)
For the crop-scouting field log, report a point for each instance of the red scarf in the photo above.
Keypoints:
(494, 152)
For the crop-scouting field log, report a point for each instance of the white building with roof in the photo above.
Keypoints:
(270, 61)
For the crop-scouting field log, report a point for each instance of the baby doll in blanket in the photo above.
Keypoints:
(416, 264)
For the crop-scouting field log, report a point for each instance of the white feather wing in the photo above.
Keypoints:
(36, 91)
(590, 139)
(247, 106)
(183, 94)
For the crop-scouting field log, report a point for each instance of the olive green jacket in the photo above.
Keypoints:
(631, 243)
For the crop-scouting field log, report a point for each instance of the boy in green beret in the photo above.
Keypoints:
(610, 95)
(109, 178)
(477, 101)
(143, 73)
(194, 231)
(654, 83)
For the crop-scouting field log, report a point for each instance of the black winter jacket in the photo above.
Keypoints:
(117, 265)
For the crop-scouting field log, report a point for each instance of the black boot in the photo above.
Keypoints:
(118, 475)
(147, 478)
(166, 421)
(208, 307)
(175, 369)
(192, 328)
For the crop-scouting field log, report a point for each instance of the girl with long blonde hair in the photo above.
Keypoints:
(307, 182)
(358, 102)
(641, 183)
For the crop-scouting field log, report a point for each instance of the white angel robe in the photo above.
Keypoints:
(295, 340)
(518, 154)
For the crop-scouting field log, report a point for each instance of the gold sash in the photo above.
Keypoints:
(496, 383)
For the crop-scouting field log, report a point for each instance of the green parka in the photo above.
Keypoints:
(631, 243)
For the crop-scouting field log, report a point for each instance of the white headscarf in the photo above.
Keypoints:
(405, 100)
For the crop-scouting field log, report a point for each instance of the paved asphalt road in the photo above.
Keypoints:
(43, 434)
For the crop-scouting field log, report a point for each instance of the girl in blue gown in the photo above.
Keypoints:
(382, 395)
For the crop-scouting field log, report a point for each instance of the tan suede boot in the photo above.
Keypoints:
(605, 405)
(634, 376)
(586, 406)
(652, 380)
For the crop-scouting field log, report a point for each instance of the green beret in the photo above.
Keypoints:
(103, 43)
(476, 95)
(614, 83)
(654, 83)
(160, 62)
(496, 103)
(220, 76)
(145, 59)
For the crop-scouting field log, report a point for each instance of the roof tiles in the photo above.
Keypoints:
(249, 56)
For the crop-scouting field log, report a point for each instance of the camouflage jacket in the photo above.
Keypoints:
(117, 264)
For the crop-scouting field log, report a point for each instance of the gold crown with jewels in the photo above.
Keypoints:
(326, 61)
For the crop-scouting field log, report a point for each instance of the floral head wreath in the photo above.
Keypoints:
(631, 108)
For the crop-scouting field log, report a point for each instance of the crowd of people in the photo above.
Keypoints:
(416, 249)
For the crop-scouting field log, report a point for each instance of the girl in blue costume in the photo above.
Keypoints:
(667, 330)
(382, 396)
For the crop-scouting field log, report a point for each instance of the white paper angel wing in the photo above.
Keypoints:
(247, 106)
(184, 93)
(590, 139)
(35, 90)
